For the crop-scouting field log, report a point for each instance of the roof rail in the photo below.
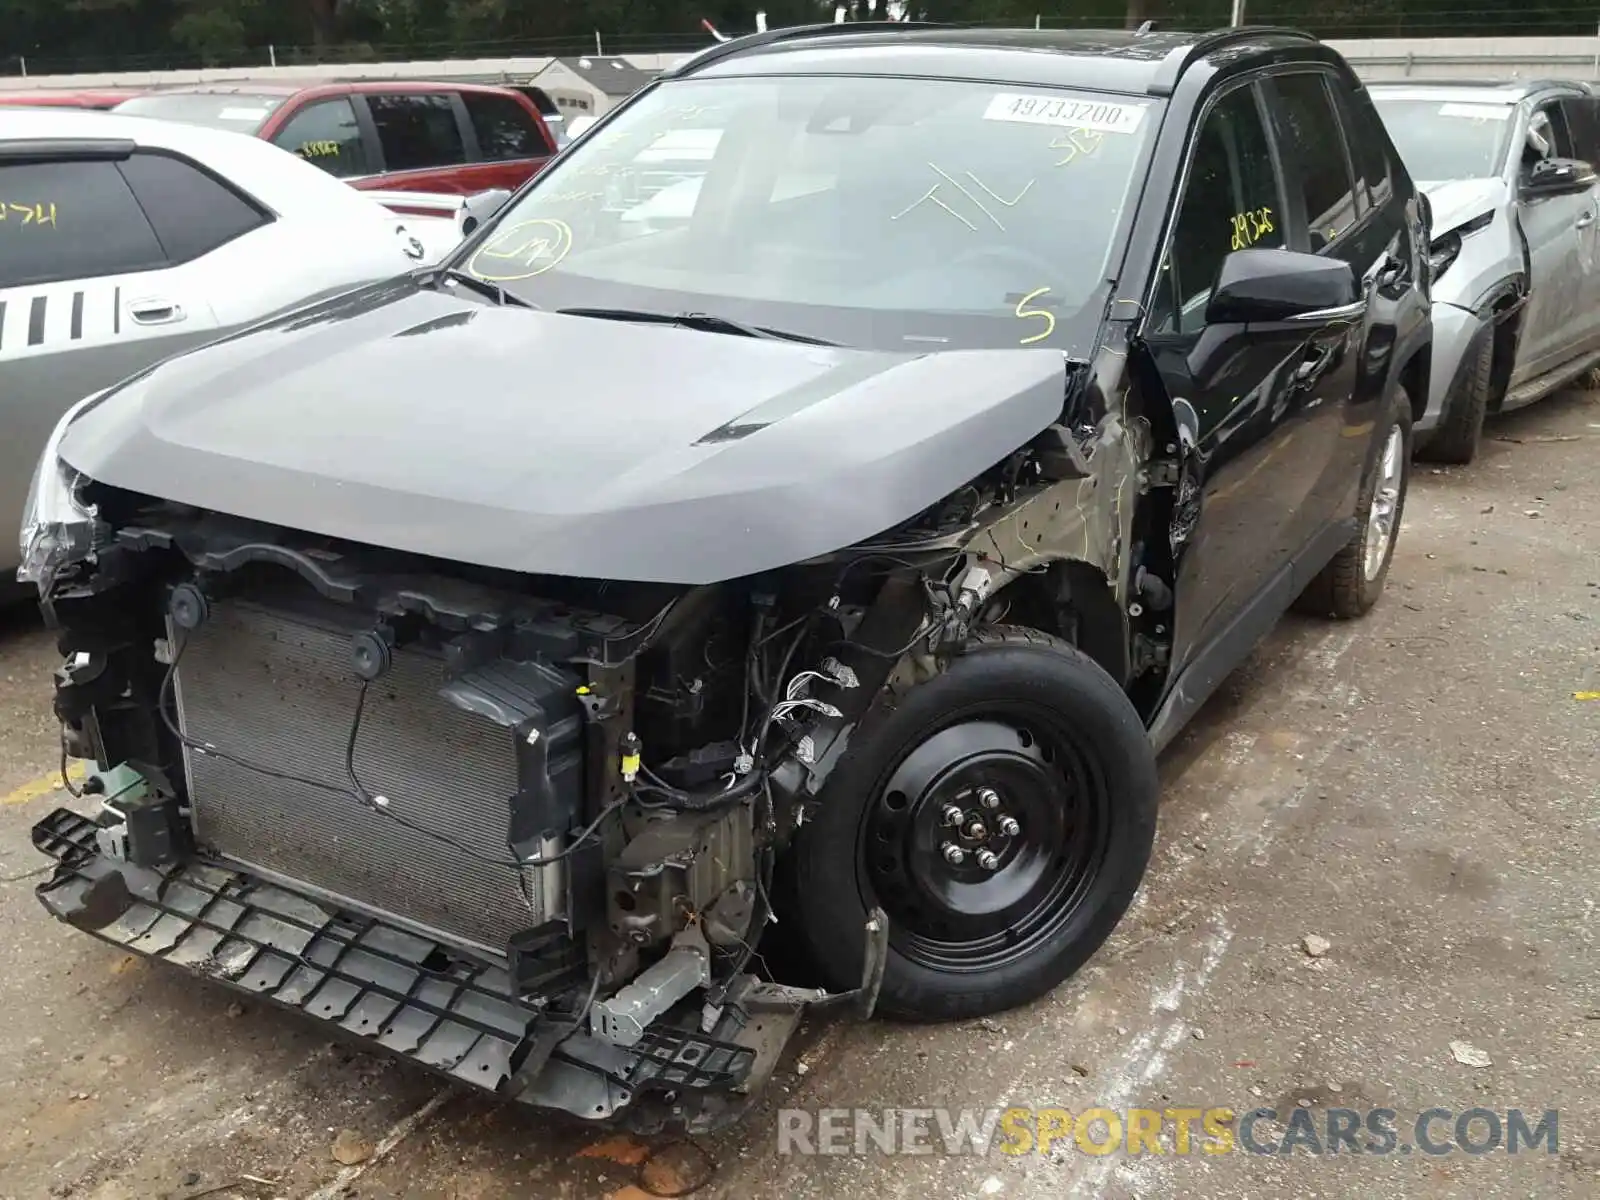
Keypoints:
(1177, 62)
(751, 41)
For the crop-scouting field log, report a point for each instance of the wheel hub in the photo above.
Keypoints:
(975, 829)
(979, 828)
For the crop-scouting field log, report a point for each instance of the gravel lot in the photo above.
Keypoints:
(1421, 789)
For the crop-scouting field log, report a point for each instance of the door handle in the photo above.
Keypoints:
(1586, 220)
(154, 312)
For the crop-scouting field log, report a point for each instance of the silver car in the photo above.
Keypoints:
(1516, 281)
(125, 240)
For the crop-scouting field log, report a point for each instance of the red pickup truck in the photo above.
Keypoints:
(381, 135)
(68, 97)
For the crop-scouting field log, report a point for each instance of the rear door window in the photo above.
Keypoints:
(505, 129)
(1310, 137)
(74, 219)
(417, 130)
(327, 134)
(191, 211)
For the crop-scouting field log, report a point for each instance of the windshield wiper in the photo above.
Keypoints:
(483, 287)
(708, 322)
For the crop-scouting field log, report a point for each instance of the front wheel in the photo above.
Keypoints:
(1002, 814)
(1353, 580)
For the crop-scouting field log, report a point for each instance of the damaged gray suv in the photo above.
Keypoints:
(819, 495)
(1509, 170)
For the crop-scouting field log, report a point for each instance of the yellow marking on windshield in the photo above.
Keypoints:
(1025, 314)
(41, 213)
(525, 249)
(691, 112)
(944, 175)
(573, 197)
(931, 194)
(319, 149)
(1077, 143)
(995, 196)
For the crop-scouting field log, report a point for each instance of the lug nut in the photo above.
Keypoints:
(988, 859)
(952, 815)
(954, 854)
(1009, 826)
(977, 831)
(988, 797)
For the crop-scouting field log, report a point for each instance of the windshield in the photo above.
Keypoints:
(896, 214)
(1440, 140)
(219, 110)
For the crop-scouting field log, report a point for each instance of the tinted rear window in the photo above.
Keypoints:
(192, 212)
(417, 130)
(71, 220)
(505, 128)
(231, 110)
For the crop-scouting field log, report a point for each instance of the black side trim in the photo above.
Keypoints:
(36, 321)
(77, 315)
(1230, 647)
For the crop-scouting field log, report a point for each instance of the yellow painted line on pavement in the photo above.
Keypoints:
(43, 786)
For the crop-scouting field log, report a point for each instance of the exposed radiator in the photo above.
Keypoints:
(277, 690)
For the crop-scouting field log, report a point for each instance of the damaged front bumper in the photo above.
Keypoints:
(418, 998)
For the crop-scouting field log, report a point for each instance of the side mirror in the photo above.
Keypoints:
(1557, 177)
(1279, 285)
(480, 206)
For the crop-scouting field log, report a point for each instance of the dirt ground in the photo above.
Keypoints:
(1421, 789)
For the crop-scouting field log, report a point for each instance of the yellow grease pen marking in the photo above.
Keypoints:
(930, 195)
(319, 149)
(1251, 226)
(1076, 142)
(526, 249)
(995, 196)
(1024, 313)
(29, 214)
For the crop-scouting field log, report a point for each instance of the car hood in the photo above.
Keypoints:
(437, 423)
(1457, 201)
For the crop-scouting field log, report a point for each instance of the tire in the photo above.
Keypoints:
(1346, 588)
(1460, 429)
(1068, 758)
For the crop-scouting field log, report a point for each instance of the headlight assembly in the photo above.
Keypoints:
(1443, 252)
(58, 529)
(1446, 248)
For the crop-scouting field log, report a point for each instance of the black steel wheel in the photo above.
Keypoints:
(1001, 814)
(983, 841)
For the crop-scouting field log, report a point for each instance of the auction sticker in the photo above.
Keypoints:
(1101, 116)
